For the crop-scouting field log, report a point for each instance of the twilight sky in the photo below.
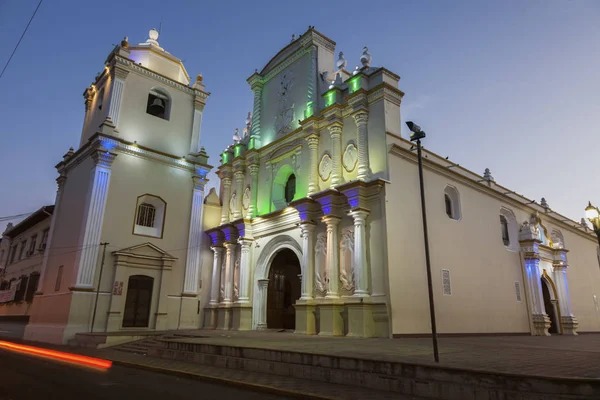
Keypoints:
(508, 85)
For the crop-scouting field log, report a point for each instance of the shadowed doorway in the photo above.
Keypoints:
(284, 290)
(137, 303)
(550, 306)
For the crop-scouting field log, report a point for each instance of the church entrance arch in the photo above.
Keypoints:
(283, 290)
(551, 304)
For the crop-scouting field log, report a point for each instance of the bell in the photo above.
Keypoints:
(157, 107)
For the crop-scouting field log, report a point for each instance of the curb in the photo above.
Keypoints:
(230, 382)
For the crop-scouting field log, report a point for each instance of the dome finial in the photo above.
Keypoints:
(152, 37)
(341, 62)
(365, 59)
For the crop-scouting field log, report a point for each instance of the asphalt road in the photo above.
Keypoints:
(28, 377)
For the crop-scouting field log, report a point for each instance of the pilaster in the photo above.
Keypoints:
(230, 249)
(361, 264)
(335, 131)
(245, 273)
(364, 169)
(313, 178)
(118, 86)
(568, 321)
(263, 285)
(257, 86)
(216, 274)
(225, 175)
(94, 219)
(252, 209)
(194, 251)
(239, 178)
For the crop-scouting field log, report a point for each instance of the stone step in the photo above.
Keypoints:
(428, 381)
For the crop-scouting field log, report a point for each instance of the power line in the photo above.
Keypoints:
(20, 39)
(11, 217)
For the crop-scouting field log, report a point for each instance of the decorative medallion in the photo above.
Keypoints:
(325, 167)
(350, 157)
(246, 198)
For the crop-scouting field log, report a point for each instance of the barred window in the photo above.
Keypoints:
(146, 214)
(505, 234)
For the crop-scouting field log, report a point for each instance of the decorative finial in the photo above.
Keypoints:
(341, 62)
(199, 77)
(293, 37)
(487, 175)
(249, 120)
(125, 42)
(236, 136)
(152, 37)
(365, 59)
(544, 204)
(356, 70)
(338, 79)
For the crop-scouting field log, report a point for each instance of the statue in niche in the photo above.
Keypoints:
(321, 265)
(246, 198)
(236, 278)
(347, 261)
(285, 113)
(232, 203)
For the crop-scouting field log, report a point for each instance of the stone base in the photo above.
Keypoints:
(211, 315)
(360, 320)
(224, 318)
(541, 324)
(331, 320)
(569, 325)
(242, 317)
(306, 323)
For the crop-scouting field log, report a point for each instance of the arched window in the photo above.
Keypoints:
(452, 202)
(159, 103)
(504, 227)
(146, 215)
(290, 188)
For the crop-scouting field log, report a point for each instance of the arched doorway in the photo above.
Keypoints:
(283, 290)
(137, 303)
(550, 305)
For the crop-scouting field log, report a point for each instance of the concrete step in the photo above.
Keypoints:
(428, 381)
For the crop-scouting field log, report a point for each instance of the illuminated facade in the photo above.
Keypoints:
(124, 248)
(320, 227)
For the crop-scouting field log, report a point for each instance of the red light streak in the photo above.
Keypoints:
(58, 355)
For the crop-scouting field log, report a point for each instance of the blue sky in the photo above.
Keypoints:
(507, 85)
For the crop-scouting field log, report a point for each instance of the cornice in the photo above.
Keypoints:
(275, 222)
(475, 183)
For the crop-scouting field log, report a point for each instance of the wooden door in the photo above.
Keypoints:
(138, 301)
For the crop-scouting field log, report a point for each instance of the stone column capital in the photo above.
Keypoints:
(253, 168)
(313, 140)
(263, 283)
(331, 220)
(226, 181)
(335, 129)
(245, 243)
(361, 118)
(103, 158)
(359, 214)
(217, 249)
(307, 227)
(238, 174)
(199, 182)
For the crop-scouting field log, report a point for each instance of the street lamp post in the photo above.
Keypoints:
(416, 136)
(593, 215)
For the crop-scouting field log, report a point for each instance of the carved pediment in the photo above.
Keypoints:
(145, 250)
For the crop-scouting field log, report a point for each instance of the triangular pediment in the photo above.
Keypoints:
(145, 250)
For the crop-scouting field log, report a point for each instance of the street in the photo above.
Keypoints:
(27, 377)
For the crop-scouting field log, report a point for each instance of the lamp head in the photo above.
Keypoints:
(591, 212)
(417, 133)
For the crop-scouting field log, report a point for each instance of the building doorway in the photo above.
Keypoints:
(550, 304)
(138, 301)
(283, 291)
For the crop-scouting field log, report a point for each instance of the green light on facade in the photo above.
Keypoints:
(237, 150)
(251, 143)
(354, 84)
(330, 98)
(309, 110)
(225, 157)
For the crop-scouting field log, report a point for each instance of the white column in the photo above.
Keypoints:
(239, 189)
(263, 285)
(313, 147)
(226, 198)
(336, 154)
(308, 260)
(194, 251)
(216, 274)
(230, 259)
(562, 287)
(115, 99)
(252, 210)
(364, 169)
(61, 184)
(196, 128)
(534, 283)
(94, 219)
(244, 288)
(361, 264)
(333, 259)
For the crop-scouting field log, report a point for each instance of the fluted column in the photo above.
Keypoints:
(361, 264)
(216, 274)
(226, 198)
(308, 260)
(194, 250)
(94, 219)
(364, 168)
(244, 288)
(333, 258)
(261, 318)
(115, 101)
(257, 89)
(61, 184)
(336, 154)
(239, 188)
(252, 209)
(230, 259)
(313, 147)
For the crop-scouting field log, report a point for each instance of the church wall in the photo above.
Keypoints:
(172, 136)
(95, 116)
(159, 64)
(377, 126)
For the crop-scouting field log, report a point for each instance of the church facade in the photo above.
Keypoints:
(320, 228)
(316, 226)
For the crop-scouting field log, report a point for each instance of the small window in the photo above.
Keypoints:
(58, 279)
(22, 249)
(158, 104)
(44, 239)
(452, 202)
(504, 227)
(21, 288)
(290, 188)
(13, 253)
(32, 244)
(146, 214)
